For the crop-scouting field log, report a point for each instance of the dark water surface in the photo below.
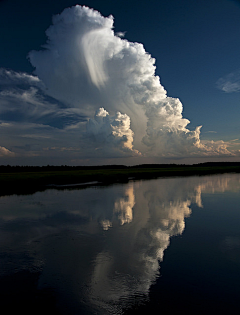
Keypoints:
(165, 246)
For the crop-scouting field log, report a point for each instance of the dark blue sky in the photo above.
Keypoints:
(195, 43)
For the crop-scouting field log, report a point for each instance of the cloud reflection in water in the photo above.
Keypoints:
(99, 247)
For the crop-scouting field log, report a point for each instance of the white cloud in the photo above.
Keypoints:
(84, 69)
(120, 34)
(87, 66)
(230, 83)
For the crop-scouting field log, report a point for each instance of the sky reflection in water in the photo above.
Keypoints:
(98, 249)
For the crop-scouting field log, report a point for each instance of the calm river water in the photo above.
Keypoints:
(169, 246)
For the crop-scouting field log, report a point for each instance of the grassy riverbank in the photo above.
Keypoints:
(16, 179)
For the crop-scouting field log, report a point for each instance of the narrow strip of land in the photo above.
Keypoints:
(28, 179)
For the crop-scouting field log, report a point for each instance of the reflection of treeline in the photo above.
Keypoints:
(50, 168)
(29, 179)
(206, 164)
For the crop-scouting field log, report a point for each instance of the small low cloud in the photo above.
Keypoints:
(211, 131)
(5, 152)
(230, 83)
(120, 34)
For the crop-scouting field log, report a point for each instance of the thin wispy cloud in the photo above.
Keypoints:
(9, 77)
(22, 98)
(210, 131)
(230, 83)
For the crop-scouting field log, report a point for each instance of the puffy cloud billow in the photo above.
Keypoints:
(88, 69)
(111, 133)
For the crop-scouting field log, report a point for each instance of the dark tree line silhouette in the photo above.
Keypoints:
(50, 168)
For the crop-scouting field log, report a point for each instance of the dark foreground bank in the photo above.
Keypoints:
(28, 179)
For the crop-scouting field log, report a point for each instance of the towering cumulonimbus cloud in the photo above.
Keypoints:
(85, 65)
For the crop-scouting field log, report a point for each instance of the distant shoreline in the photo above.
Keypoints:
(29, 179)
